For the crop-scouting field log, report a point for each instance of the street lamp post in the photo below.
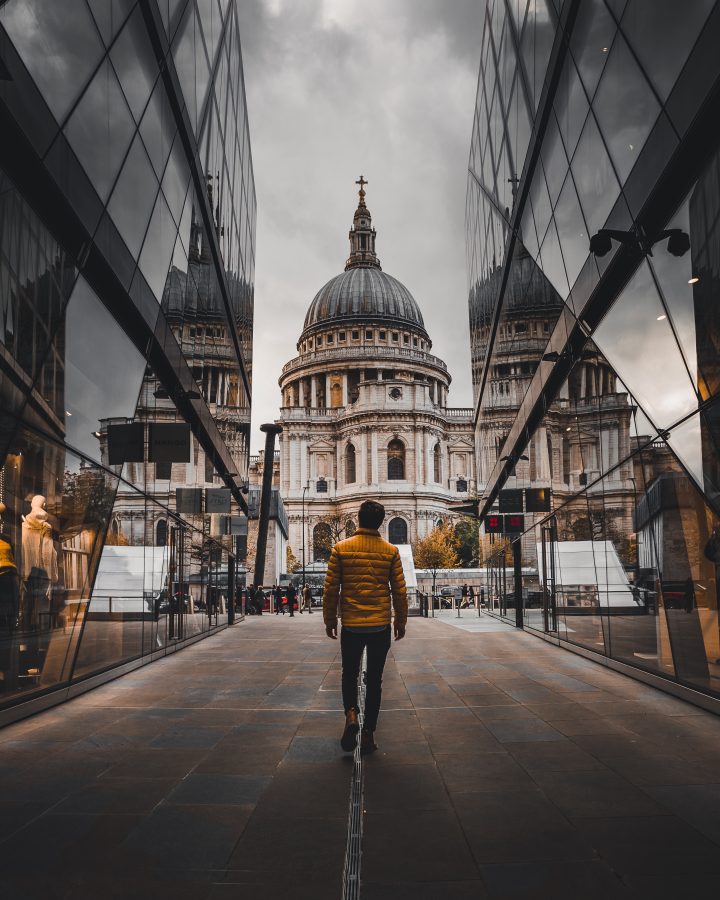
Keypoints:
(305, 488)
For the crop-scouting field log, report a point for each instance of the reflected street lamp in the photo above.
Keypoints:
(678, 241)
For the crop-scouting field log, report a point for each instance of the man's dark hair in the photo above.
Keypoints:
(371, 514)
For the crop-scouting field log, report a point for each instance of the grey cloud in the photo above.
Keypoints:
(336, 89)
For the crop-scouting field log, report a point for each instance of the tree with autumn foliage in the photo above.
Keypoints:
(437, 550)
(292, 563)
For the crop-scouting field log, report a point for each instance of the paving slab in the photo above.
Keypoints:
(507, 769)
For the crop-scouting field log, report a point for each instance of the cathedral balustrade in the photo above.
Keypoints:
(457, 412)
(366, 353)
(302, 412)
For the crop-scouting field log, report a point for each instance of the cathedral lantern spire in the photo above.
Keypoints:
(362, 234)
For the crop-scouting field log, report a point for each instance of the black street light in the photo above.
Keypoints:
(306, 488)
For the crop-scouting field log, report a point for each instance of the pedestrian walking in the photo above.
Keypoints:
(306, 599)
(291, 594)
(278, 595)
(364, 585)
(464, 596)
(471, 596)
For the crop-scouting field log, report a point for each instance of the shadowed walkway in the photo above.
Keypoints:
(507, 768)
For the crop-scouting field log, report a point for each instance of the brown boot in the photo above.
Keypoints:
(367, 741)
(349, 735)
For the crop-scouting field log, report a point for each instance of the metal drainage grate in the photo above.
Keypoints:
(353, 848)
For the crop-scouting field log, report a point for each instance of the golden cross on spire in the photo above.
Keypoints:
(361, 181)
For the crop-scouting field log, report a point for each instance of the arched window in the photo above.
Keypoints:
(350, 464)
(397, 531)
(396, 460)
(437, 478)
(349, 528)
(161, 533)
(322, 542)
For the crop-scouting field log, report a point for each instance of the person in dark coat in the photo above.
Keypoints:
(291, 594)
(278, 595)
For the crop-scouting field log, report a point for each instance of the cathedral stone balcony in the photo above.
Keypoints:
(304, 412)
(457, 412)
(361, 353)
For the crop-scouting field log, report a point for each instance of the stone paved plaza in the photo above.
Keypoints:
(507, 769)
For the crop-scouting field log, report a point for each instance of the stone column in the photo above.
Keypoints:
(344, 389)
(374, 457)
(313, 391)
(362, 473)
(301, 392)
(294, 462)
(419, 467)
(328, 399)
(302, 452)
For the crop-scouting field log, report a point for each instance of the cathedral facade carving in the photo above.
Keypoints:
(365, 410)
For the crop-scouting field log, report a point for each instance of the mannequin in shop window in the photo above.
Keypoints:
(9, 591)
(39, 565)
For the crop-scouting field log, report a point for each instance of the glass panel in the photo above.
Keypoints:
(554, 160)
(59, 44)
(665, 391)
(109, 16)
(158, 128)
(595, 179)
(135, 63)
(573, 236)
(537, 44)
(100, 129)
(176, 180)
(625, 106)
(96, 353)
(211, 25)
(592, 38)
(571, 107)
(158, 247)
(690, 283)
(132, 200)
(662, 35)
(552, 262)
(36, 279)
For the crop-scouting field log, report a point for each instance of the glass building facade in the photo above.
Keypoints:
(127, 231)
(597, 374)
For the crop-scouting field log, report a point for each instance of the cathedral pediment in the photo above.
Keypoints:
(460, 445)
(321, 446)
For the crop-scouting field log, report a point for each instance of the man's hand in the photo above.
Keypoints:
(331, 631)
(399, 631)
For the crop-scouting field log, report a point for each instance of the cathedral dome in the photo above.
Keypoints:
(364, 293)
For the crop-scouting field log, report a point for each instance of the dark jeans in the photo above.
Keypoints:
(352, 644)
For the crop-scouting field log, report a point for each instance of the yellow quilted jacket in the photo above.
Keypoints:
(365, 578)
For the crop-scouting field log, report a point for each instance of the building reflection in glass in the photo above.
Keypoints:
(625, 561)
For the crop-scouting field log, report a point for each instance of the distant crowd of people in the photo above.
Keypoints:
(282, 599)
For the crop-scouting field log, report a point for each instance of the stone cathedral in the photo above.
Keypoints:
(365, 410)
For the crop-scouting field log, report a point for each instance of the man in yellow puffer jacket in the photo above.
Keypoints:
(365, 578)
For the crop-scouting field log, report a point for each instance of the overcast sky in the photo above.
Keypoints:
(339, 88)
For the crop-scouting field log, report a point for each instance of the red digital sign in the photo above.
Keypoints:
(514, 524)
(494, 524)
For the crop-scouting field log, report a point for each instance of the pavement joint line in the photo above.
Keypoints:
(353, 849)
